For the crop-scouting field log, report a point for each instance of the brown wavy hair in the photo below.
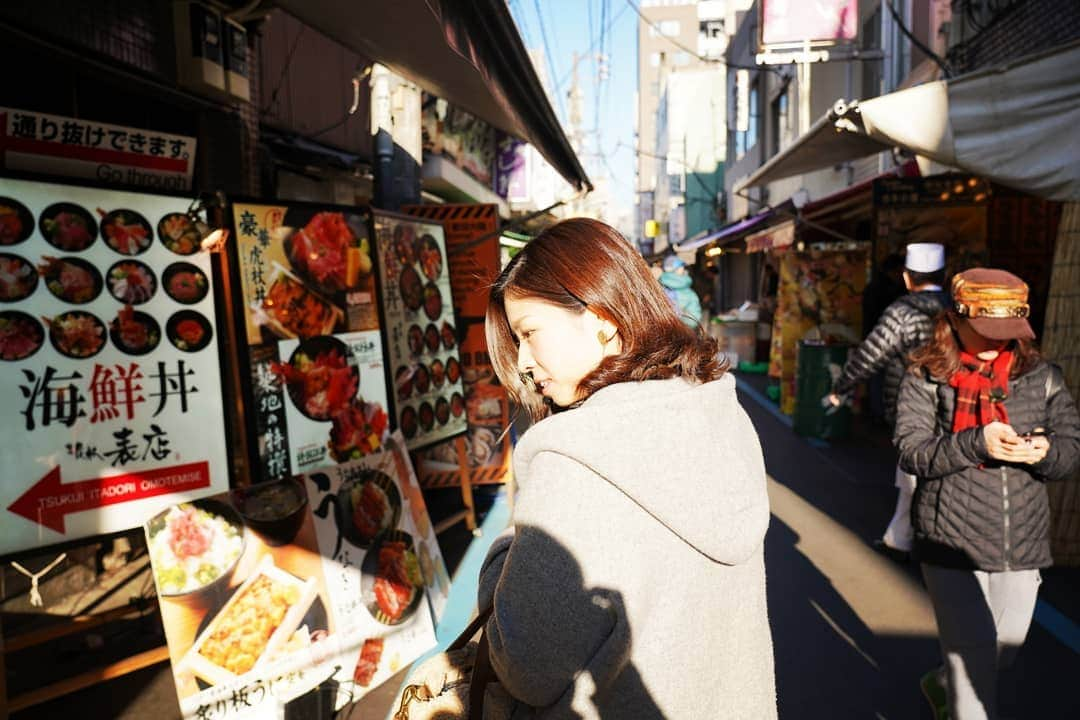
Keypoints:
(581, 264)
(940, 358)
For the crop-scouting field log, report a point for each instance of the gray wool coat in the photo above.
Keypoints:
(632, 583)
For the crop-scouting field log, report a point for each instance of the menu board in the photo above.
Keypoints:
(270, 591)
(110, 385)
(318, 384)
(428, 397)
(483, 453)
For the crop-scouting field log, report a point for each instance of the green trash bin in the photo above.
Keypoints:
(813, 381)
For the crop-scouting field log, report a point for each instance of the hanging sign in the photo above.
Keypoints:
(110, 386)
(422, 342)
(318, 384)
(483, 453)
(110, 154)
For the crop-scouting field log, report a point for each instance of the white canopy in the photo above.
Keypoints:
(1017, 124)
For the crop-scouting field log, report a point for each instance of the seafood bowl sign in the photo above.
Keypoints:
(110, 386)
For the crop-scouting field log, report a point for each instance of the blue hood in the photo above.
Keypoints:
(674, 280)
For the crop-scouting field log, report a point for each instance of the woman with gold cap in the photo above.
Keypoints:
(984, 423)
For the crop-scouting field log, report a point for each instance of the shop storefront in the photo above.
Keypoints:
(246, 390)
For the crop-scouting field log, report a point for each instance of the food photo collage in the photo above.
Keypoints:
(78, 279)
(327, 573)
(428, 394)
(311, 318)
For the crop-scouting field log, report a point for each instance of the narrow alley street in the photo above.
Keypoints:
(853, 631)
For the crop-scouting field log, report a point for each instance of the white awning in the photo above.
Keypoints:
(827, 142)
(1016, 124)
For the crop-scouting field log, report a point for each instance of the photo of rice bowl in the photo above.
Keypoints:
(178, 233)
(67, 226)
(20, 335)
(131, 282)
(321, 377)
(189, 331)
(391, 584)
(16, 222)
(368, 504)
(76, 334)
(125, 231)
(70, 279)
(18, 278)
(194, 547)
(134, 332)
(185, 283)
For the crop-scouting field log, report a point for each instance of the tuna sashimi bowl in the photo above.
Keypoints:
(194, 547)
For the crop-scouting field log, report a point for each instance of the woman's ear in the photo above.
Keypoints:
(605, 329)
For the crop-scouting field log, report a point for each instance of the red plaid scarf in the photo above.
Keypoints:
(981, 389)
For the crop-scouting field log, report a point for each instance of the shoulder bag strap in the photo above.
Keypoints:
(482, 674)
(470, 630)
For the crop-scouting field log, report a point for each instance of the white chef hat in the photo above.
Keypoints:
(925, 257)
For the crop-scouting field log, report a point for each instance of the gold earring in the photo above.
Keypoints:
(600, 336)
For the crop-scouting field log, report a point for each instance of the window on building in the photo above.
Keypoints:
(670, 28)
(746, 139)
(780, 120)
(871, 71)
(711, 29)
(755, 118)
(654, 88)
(654, 59)
(682, 58)
(675, 184)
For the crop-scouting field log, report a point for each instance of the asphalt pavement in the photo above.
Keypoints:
(853, 630)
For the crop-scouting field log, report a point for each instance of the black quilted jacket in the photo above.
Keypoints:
(969, 511)
(906, 325)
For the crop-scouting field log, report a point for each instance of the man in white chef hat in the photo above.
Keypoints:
(906, 324)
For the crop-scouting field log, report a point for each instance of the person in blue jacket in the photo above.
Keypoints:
(676, 281)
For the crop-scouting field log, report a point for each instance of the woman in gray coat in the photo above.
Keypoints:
(632, 583)
(984, 423)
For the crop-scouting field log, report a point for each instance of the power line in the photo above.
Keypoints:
(284, 71)
(547, 54)
(562, 81)
(686, 166)
(918, 43)
(523, 17)
(702, 58)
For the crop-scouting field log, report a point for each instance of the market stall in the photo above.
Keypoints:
(256, 408)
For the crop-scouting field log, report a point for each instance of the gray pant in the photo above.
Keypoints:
(982, 619)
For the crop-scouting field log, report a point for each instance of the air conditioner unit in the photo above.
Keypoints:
(237, 68)
(199, 48)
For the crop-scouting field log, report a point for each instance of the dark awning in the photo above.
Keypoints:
(730, 230)
(468, 53)
(740, 228)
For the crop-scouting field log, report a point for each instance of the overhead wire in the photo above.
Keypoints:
(564, 78)
(702, 58)
(945, 68)
(284, 71)
(711, 192)
(548, 56)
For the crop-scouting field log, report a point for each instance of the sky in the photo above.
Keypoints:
(608, 107)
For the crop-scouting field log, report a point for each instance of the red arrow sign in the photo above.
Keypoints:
(48, 501)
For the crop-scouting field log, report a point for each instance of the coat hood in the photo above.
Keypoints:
(675, 281)
(928, 302)
(685, 453)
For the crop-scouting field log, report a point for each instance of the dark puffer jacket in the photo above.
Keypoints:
(906, 325)
(970, 511)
